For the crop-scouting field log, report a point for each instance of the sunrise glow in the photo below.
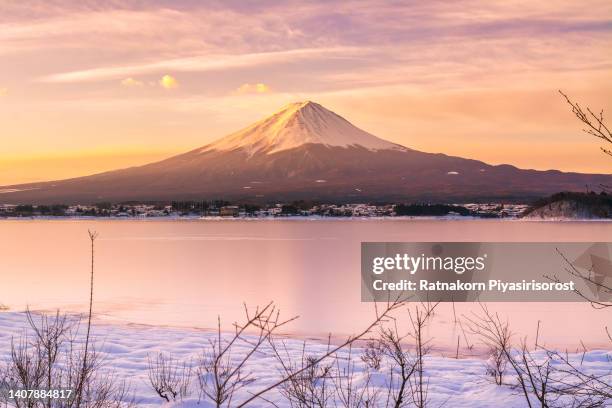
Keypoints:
(468, 78)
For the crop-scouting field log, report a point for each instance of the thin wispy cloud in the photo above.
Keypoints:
(205, 63)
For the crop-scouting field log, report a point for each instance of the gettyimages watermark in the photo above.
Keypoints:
(487, 272)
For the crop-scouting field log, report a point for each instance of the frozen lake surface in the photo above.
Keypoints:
(186, 273)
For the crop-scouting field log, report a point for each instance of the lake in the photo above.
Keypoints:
(186, 273)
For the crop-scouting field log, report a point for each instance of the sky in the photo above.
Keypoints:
(89, 86)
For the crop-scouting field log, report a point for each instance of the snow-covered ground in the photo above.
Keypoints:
(126, 348)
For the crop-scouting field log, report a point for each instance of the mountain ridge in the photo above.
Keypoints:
(305, 151)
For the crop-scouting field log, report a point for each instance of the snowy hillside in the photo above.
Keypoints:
(298, 124)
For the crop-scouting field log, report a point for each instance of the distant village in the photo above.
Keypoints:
(220, 209)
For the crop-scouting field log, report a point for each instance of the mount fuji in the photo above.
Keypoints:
(306, 151)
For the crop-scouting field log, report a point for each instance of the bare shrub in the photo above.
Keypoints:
(220, 375)
(380, 317)
(93, 235)
(596, 284)
(532, 377)
(420, 317)
(49, 356)
(497, 337)
(222, 371)
(312, 387)
(545, 379)
(406, 382)
(52, 358)
(373, 354)
(350, 392)
(580, 388)
(392, 347)
(169, 378)
(496, 364)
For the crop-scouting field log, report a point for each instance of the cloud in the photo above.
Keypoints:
(142, 37)
(258, 88)
(3, 91)
(168, 82)
(205, 63)
(131, 82)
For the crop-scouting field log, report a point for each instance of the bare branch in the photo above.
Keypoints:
(595, 123)
(380, 317)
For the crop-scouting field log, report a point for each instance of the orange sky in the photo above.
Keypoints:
(87, 86)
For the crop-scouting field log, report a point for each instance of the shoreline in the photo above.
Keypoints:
(442, 348)
(478, 352)
(301, 218)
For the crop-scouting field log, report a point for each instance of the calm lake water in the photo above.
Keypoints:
(185, 273)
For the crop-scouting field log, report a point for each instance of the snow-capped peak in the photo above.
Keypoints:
(298, 124)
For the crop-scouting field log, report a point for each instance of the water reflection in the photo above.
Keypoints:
(186, 273)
